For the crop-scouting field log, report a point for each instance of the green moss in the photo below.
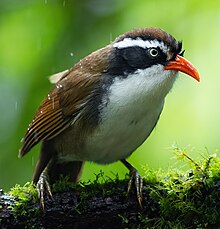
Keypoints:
(63, 184)
(23, 196)
(101, 185)
(172, 199)
(180, 199)
(187, 199)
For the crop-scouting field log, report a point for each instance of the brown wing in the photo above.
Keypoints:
(65, 101)
(47, 123)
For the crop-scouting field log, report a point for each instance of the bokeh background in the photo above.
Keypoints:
(42, 37)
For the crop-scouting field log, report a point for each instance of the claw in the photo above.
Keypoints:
(138, 181)
(43, 186)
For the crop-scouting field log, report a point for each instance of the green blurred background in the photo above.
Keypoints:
(40, 38)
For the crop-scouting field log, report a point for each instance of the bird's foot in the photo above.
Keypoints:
(138, 181)
(43, 186)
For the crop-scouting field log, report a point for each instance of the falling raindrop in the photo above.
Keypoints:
(110, 36)
(71, 54)
(22, 140)
(16, 105)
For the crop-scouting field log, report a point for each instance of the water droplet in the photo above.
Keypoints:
(22, 140)
(41, 112)
(58, 85)
(71, 54)
(80, 64)
(48, 96)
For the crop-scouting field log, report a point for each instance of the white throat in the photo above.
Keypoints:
(147, 85)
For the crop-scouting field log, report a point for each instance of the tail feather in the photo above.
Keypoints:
(55, 169)
(44, 161)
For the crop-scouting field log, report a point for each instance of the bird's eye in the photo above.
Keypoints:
(153, 52)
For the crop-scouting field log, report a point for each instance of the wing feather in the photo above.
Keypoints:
(66, 100)
(47, 120)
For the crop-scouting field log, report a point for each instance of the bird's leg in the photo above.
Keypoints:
(134, 175)
(43, 186)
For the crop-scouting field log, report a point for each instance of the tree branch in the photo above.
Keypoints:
(170, 200)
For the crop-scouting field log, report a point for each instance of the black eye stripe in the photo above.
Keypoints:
(128, 60)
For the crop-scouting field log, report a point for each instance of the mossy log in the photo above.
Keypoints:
(170, 200)
(92, 207)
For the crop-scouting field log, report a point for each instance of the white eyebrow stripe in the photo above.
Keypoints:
(129, 42)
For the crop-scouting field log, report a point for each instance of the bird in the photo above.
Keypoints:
(104, 107)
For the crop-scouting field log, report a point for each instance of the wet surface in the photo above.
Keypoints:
(86, 208)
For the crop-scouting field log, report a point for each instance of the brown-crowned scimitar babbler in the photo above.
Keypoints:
(105, 107)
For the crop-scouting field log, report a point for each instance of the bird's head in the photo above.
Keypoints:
(149, 49)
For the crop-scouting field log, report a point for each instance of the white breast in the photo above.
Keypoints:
(134, 106)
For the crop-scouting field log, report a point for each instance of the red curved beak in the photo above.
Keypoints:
(183, 65)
